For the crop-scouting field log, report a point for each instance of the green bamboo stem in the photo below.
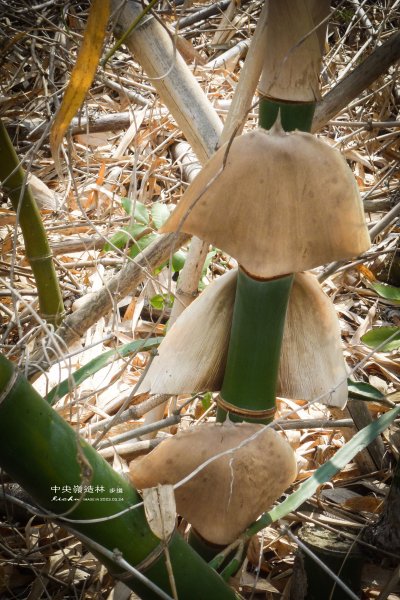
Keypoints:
(249, 387)
(254, 349)
(293, 115)
(41, 452)
(251, 372)
(37, 248)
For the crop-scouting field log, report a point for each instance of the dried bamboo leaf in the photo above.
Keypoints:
(192, 356)
(82, 74)
(45, 198)
(278, 202)
(312, 364)
(160, 509)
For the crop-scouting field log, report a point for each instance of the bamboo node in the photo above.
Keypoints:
(49, 316)
(246, 413)
(154, 555)
(40, 258)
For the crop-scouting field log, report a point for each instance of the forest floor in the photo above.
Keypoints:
(128, 149)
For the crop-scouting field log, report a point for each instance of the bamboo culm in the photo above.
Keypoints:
(37, 247)
(67, 477)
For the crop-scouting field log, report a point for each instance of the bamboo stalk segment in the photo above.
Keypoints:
(248, 391)
(36, 244)
(156, 51)
(228, 494)
(65, 475)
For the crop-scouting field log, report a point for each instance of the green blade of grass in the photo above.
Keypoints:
(364, 391)
(98, 363)
(324, 473)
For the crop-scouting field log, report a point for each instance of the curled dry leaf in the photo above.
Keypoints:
(228, 494)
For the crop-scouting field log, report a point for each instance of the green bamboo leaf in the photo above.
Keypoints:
(330, 468)
(97, 364)
(118, 239)
(178, 260)
(378, 335)
(363, 390)
(206, 400)
(138, 209)
(323, 474)
(125, 236)
(141, 244)
(162, 301)
(389, 292)
(157, 301)
(159, 214)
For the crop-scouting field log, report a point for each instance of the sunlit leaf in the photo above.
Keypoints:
(206, 400)
(125, 236)
(138, 209)
(178, 260)
(157, 301)
(162, 301)
(142, 244)
(97, 364)
(389, 292)
(82, 74)
(377, 336)
(159, 214)
(363, 390)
